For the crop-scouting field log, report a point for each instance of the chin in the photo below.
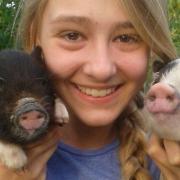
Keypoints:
(97, 119)
(98, 123)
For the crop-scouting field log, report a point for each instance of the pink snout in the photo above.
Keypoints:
(32, 120)
(162, 98)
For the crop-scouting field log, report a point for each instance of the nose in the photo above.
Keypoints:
(162, 98)
(100, 64)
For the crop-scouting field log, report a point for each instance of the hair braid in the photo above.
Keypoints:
(132, 152)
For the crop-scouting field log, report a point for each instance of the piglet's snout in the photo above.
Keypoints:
(32, 120)
(30, 115)
(162, 98)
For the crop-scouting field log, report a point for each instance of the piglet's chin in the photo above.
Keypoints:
(166, 126)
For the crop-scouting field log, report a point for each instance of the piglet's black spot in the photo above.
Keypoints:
(24, 79)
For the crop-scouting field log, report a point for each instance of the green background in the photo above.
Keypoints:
(8, 22)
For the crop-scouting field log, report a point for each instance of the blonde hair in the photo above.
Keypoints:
(132, 153)
(30, 23)
(149, 19)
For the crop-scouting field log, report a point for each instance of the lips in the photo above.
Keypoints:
(94, 92)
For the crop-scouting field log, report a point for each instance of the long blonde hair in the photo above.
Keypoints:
(149, 18)
(150, 21)
(30, 23)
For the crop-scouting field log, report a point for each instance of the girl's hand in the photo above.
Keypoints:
(38, 154)
(166, 155)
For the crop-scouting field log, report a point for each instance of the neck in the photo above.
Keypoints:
(84, 137)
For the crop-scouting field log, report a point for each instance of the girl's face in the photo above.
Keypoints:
(98, 60)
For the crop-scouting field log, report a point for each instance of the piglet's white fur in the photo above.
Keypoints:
(12, 155)
(163, 102)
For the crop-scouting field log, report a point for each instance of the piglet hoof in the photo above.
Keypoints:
(12, 156)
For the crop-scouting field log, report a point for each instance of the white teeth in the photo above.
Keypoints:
(96, 92)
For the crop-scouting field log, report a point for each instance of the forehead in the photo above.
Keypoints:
(93, 9)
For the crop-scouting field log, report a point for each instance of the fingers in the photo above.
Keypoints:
(156, 150)
(164, 151)
(166, 155)
(54, 132)
(37, 166)
(40, 152)
(49, 139)
(173, 152)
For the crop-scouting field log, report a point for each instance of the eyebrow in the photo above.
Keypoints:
(72, 19)
(81, 20)
(125, 25)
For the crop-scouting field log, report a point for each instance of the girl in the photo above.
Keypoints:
(98, 54)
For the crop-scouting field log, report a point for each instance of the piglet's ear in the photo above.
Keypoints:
(157, 66)
(37, 53)
(2, 84)
(37, 56)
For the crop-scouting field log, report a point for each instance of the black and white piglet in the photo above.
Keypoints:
(163, 101)
(26, 104)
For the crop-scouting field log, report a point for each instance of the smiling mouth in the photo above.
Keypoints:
(97, 92)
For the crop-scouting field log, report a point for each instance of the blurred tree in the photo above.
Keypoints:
(8, 9)
(174, 21)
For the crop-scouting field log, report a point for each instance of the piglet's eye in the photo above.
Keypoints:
(2, 84)
(42, 81)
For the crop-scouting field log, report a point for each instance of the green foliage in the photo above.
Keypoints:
(174, 22)
(9, 8)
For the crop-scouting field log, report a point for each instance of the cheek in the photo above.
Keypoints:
(134, 67)
(61, 63)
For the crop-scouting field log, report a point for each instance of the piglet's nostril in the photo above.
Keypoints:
(151, 97)
(40, 116)
(170, 98)
(24, 117)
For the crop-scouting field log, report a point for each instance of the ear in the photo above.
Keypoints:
(37, 56)
(157, 66)
(37, 53)
(139, 100)
(2, 84)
